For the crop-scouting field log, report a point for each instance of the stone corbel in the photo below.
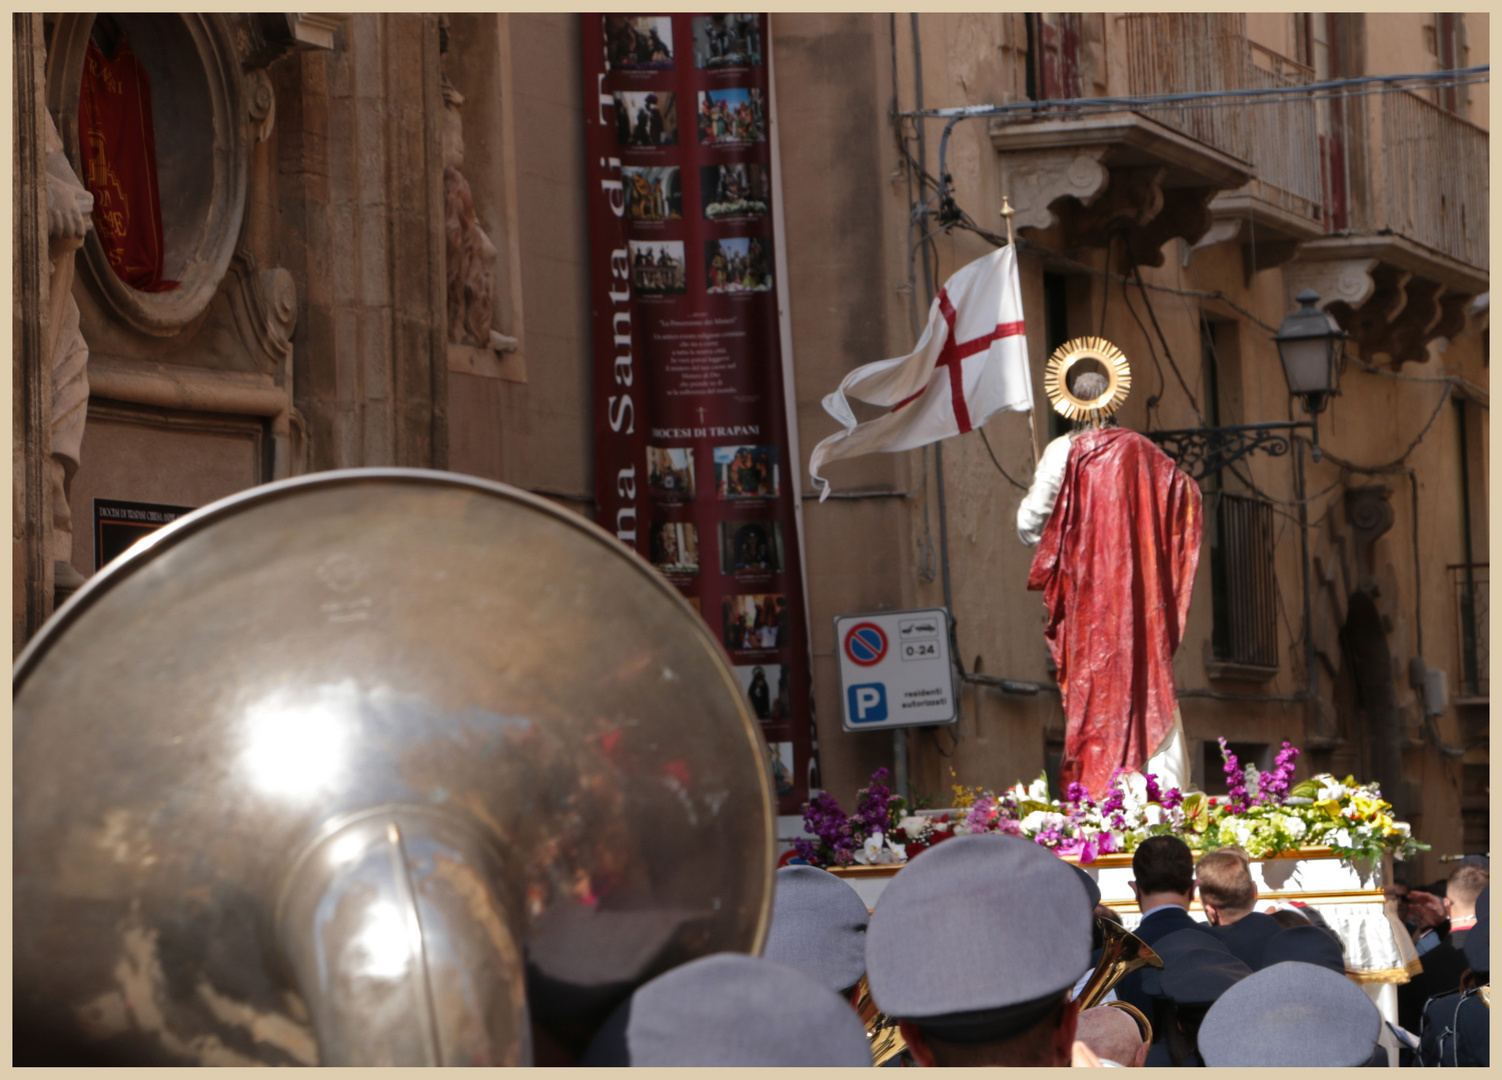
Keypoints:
(1370, 513)
(1347, 281)
(1037, 180)
(262, 103)
(264, 303)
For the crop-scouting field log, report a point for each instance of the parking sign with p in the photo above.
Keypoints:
(895, 670)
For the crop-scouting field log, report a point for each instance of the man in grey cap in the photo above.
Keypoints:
(1228, 893)
(819, 927)
(973, 948)
(1291, 1015)
(731, 1010)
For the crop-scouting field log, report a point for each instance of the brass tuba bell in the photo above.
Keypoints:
(375, 767)
(1122, 952)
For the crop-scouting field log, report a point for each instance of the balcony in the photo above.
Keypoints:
(1407, 227)
(1283, 204)
(1150, 175)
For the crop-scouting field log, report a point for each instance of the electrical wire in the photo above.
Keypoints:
(1015, 483)
(1275, 95)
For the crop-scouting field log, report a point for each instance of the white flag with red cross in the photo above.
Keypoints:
(970, 364)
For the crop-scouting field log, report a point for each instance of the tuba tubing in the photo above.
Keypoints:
(1122, 952)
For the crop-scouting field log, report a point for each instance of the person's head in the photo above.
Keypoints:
(1163, 872)
(1197, 969)
(1288, 918)
(974, 947)
(1291, 1015)
(1226, 888)
(1309, 944)
(1112, 1034)
(731, 1010)
(1462, 888)
(819, 927)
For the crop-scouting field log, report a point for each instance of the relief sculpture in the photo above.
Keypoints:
(69, 210)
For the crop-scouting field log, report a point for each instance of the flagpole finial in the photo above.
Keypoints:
(1007, 212)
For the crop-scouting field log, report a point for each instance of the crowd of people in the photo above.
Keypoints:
(755, 622)
(731, 270)
(978, 946)
(633, 43)
(723, 122)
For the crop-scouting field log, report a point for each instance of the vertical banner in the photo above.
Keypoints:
(691, 444)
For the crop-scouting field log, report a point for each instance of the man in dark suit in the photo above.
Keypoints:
(1446, 962)
(1228, 895)
(1163, 882)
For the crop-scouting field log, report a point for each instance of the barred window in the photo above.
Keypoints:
(1244, 594)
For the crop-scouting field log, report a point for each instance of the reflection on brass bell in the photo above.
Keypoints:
(373, 767)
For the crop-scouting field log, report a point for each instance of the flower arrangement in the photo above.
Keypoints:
(1263, 813)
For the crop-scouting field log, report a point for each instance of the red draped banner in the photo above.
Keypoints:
(118, 147)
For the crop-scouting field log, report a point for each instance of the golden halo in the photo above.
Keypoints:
(1056, 378)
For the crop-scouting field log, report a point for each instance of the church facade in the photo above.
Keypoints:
(248, 247)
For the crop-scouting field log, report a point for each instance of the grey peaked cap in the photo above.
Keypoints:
(1291, 1015)
(818, 926)
(977, 923)
(729, 1009)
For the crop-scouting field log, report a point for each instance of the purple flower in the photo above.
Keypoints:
(1274, 786)
(872, 805)
(981, 814)
(1235, 778)
(1154, 794)
(1078, 794)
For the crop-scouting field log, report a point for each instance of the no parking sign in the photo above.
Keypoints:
(895, 670)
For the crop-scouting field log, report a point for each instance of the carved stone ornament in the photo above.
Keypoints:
(1046, 178)
(264, 303)
(1370, 514)
(69, 206)
(262, 103)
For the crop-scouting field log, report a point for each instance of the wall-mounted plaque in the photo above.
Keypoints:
(118, 525)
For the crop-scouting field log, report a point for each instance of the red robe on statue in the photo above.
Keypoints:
(1116, 566)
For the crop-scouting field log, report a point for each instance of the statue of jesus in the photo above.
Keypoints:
(1117, 527)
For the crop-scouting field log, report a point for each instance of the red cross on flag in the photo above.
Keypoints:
(970, 364)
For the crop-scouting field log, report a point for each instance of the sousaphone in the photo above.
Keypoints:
(373, 767)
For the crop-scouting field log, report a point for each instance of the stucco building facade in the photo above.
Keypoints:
(336, 310)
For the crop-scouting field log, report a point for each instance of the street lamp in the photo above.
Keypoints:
(1312, 347)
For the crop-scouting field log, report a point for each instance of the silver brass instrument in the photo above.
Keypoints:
(373, 767)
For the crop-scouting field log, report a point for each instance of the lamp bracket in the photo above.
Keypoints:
(1201, 452)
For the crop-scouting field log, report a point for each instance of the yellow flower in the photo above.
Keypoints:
(1364, 805)
(1330, 806)
(964, 797)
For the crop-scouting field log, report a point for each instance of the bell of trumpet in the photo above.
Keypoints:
(1122, 952)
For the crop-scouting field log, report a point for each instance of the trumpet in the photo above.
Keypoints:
(1122, 952)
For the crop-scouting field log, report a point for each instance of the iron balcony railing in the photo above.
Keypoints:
(1428, 172)
(1190, 52)
(1472, 617)
(1392, 162)
(1244, 590)
(1283, 137)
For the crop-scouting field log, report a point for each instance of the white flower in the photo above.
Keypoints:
(1153, 814)
(914, 826)
(1330, 788)
(870, 852)
(941, 826)
(1341, 838)
(1038, 790)
(1252, 779)
(898, 853)
(1039, 820)
(1401, 826)
(1294, 826)
(961, 829)
(1134, 791)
